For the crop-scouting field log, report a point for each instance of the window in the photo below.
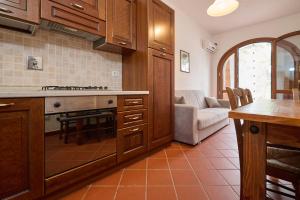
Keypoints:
(269, 67)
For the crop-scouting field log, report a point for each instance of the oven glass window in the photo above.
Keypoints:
(76, 138)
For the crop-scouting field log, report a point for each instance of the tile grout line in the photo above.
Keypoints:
(146, 188)
(171, 174)
(201, 184)
(84, 195)
(121, 177)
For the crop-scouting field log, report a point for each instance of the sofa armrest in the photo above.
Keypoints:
(224, 103)
(186, 123)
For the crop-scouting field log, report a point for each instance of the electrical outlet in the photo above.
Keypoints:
(115, 73)
(34, 63)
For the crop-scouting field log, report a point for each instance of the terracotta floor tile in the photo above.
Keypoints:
(174, 153)
(193, 154)
(231, 176)
(112, 179)
(221, 163)
(138, 165)
(235, 161)
(95, 193)
(211, 152)
(174, 145)
(201, 164)
(184, 177)
(159, 178)
(229, 153)
(211, 177)
(131, 193)
(221, 193)
(133, 177)
(163, 193)
(157, 163)
(78, 195)
(179, 163)
(191, 193)
(159, 154)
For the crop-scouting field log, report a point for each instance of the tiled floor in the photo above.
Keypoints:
(209, 170)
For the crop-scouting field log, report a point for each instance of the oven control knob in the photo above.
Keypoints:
(57, 105)
(110, 101)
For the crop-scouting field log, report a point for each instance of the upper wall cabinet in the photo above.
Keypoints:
(77, 17)
(20, 15)
(120, 26)
(161, 27)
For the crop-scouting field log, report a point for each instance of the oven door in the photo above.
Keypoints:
(73, 139)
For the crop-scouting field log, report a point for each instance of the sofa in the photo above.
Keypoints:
(194, 119)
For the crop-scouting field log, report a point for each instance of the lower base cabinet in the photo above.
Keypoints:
(21, 148)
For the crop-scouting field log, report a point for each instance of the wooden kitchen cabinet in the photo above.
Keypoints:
(73, 16)
(161, 26)
(21, 148)
(24, 10)
(120, 26)
(161, 67)
(132, 142)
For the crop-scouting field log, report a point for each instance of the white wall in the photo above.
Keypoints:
(188, 37)
(273, 28)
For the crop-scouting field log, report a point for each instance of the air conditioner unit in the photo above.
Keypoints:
(209, 46)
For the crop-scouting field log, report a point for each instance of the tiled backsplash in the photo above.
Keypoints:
(67, 60)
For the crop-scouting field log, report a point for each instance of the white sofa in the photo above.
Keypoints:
(194, 120)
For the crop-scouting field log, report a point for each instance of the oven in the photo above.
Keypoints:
(78, 130)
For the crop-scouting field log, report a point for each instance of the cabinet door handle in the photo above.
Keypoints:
(134, 130)
(122, 43)
(5, 10)
(134, 118)
(163, 49)
(3, 105)
(75, 5)
(163, 54)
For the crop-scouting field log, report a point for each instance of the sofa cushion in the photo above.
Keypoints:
(212, 102)
(210, 116)
(179, 100)
(193, 97)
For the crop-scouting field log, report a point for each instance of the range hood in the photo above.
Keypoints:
(16, 25)
(68, 30)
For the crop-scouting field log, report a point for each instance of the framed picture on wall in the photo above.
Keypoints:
(184, 61)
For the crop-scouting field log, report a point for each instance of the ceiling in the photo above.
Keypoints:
(249, 12)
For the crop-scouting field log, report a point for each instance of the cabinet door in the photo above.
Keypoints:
(121, 23)
(161, 66)
(89, 7)
(21, 148)
(131, 142)
(161, 27)
(25, 10)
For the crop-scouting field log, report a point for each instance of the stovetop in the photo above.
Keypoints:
(86, 88)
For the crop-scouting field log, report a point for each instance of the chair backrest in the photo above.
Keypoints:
(239, 97)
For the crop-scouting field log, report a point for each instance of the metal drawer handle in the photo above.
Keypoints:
(134, 102)
(163, 49)
(5, 10)
(3, 105)
(75, 5)
(163, 54)
(134, 118)
(134, 130)
(122, 43)
(71, 29)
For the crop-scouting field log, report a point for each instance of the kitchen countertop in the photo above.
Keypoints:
(60, 93)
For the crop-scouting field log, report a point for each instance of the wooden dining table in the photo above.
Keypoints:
(265, 121)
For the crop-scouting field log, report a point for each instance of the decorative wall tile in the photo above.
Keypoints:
(67, 60)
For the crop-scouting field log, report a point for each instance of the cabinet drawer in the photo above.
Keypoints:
(134, 102)
(132, 118)
(88, 7)
(131, 142)
(55, 12)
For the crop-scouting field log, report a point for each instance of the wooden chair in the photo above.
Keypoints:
(282, 163)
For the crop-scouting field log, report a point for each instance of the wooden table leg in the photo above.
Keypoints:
(254, 161)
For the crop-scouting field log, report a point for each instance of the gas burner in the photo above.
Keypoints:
(91, 88)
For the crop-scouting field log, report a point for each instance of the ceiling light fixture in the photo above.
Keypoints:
(222, 7)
